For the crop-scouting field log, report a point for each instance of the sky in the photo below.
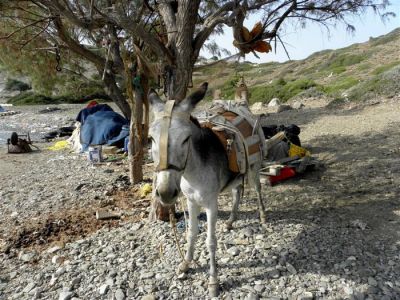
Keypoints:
(302, 42)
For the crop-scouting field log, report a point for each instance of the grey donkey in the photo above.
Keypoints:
(191, 159)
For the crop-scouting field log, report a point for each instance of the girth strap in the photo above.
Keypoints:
(165, 123)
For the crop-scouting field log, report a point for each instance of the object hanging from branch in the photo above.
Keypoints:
(252, 40)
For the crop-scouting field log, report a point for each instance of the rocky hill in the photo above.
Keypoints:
(357, 72)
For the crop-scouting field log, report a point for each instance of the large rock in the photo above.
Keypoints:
(297, 105)
(257, 106)
(274, 102)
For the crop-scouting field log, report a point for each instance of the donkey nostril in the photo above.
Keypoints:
(175, 194)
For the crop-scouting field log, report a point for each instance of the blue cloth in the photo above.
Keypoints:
(2, 109)
(103, 127)
(84, 113)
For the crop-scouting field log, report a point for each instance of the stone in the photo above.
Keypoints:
(103, 289)
(257, 106)
(65, 295)
(148, 297)
(60, 271)
(372, 281)
(297, 105)
(119, 294)
(147, 275)
(234, 251)
(305, 296)
(28, 287)
(56, 259)
(252, 296)
(53, 249)
(274, 102)
(27, 257)
(259, 288)
(291, 269)
(75, 281)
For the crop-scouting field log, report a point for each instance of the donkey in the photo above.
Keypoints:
(191, 159)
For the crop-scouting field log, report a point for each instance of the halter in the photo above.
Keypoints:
(165, 117)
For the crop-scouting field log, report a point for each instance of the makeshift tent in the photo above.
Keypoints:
(104, 127)
(84, 113)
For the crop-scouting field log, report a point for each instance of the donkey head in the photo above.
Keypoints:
(170, 133)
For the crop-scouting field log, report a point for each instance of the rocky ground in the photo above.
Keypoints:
(331, 234)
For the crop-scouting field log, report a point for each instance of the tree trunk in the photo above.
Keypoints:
(116, 94)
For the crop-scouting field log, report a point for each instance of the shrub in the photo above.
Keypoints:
(16, 85)
(281, 89)
(385, 84)
(340, 85)
(381, 40)
(30, 98)
(385, 68)
(337, 63)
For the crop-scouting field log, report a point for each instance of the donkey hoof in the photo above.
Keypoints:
(183, 267)
(213, 288)
(228, 225)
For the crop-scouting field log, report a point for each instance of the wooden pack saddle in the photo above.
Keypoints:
(240, 134)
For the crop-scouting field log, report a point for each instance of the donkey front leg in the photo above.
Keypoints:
(213, 285)
(194, 210)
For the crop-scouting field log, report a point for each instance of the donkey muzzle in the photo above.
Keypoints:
(167, 187)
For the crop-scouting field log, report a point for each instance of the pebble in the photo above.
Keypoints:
(119, 295)
(148, 297)
(27, 257)
(65, 295)
(28, 287)
(234, 251)
(291, 269)
(372, 281)
(146, 275)
(103, 289)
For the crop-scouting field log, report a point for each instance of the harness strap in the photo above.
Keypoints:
(165, 122)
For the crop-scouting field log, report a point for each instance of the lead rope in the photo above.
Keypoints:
(172, 220)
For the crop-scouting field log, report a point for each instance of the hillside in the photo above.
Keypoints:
(356, 72)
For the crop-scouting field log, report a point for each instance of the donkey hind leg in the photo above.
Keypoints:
(255, 179)
(236, 195)
(213, 285)
(194, 210)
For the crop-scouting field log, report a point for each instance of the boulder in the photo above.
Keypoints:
(257, 106)
(274, 102)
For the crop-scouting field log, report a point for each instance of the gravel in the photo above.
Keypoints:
(331, 234)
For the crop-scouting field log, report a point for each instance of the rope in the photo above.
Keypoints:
(173, 226)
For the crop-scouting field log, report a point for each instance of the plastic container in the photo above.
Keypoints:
(286, 172)
(95, 154)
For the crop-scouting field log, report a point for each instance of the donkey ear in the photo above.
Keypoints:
(156, 103)
(190, 102)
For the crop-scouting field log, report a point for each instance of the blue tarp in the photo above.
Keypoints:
(2, 109)
(103, 127)
(84, 113)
